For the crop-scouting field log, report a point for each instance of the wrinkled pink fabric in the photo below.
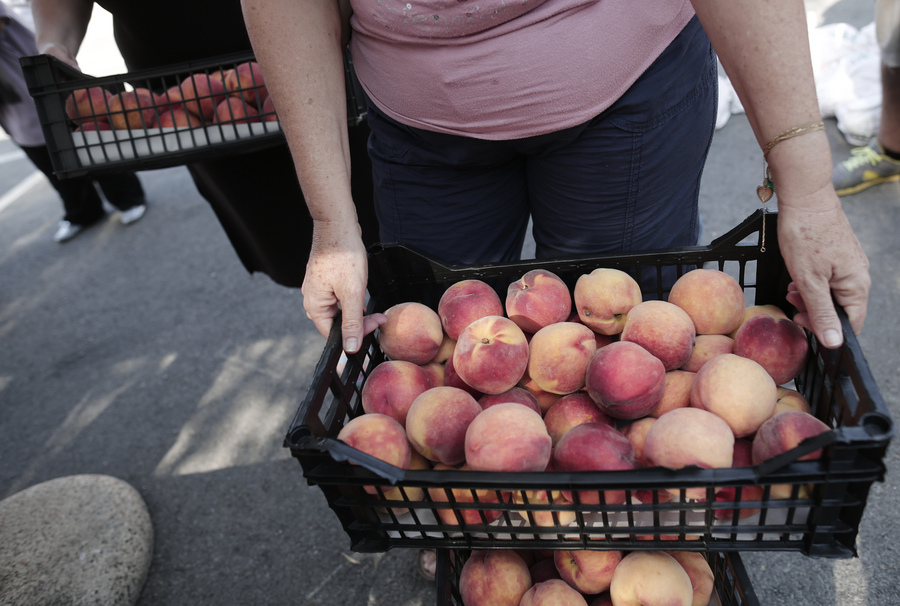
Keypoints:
(506, 69)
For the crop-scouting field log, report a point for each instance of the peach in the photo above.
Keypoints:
(738, 390)
(707, 347)
(507, 437)
(267, 111)
(461, 498)
(445, 352)
(544, 517)
(491, 354)
(676, 392)
(636, 432)
(466, 301)
(219, 75)
(412, 332)
(538, 299)
(778, 344)
(452, 379)
(236, 111)
(406, 493)
(545, 398)
(527, 555)
(178, 118)
(391, 388)
(170, 99)
(517, 394)
(494, 578)
(689, 436)
(785, 432)
(604, 298)
(599, 339)
(742, 457)
(380, 436)
(541, 516)
(543, 570)
(93, 125)
(434, 372)
(594, 447)
(625, 380)
(790, 399)
(552, 592)
(712, 298)
(588, 571)
(202, 95)
(751, 311)
(651, 578)
(570, 411)
(559, 355)
(436, 423)
(131, 110)
(663, 329)
(88, 103)
(246, 81)
(701, 575)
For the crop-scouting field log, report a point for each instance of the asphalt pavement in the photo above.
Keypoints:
(148, 353)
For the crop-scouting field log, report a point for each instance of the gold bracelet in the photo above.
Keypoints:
(788, 134)
(766, 190)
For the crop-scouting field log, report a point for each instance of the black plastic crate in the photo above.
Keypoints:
(732, 584)
(84, 146)
(820, 517)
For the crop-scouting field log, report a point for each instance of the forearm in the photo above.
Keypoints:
(764, 48)
(61, 24)
(298, 45)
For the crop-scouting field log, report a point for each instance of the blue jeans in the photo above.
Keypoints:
(626, 181)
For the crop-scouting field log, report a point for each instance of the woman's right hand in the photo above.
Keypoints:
(60, 52)
(336, 277)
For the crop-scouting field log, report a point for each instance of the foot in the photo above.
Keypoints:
(127, 217)
(866, 166)
(67, 231)
(427, 563)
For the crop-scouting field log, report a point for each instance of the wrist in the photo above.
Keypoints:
(801, 171)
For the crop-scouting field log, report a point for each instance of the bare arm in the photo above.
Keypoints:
(298, 44)
(60, 27)
(763, 46)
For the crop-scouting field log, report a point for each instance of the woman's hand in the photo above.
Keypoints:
(336, 277)
(824, 258)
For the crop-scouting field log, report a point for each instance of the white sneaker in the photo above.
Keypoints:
(67, 231)
(133, 214)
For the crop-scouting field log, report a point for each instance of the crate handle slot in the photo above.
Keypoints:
(342, 452)
(793, 455)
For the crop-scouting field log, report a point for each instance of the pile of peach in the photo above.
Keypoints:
(619, 383)
(231, 96)
(586, 578)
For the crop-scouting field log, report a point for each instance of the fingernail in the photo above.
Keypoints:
(350, 345)
(832, 338)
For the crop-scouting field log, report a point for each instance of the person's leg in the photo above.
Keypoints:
(456, 199)
(80, 199)
(887, 25)
(889, 128)
(879, 161)
(122, 190)
(630, 181)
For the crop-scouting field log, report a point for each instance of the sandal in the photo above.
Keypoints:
(426, 563)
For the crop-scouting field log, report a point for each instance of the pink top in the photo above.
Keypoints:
(506, 69)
